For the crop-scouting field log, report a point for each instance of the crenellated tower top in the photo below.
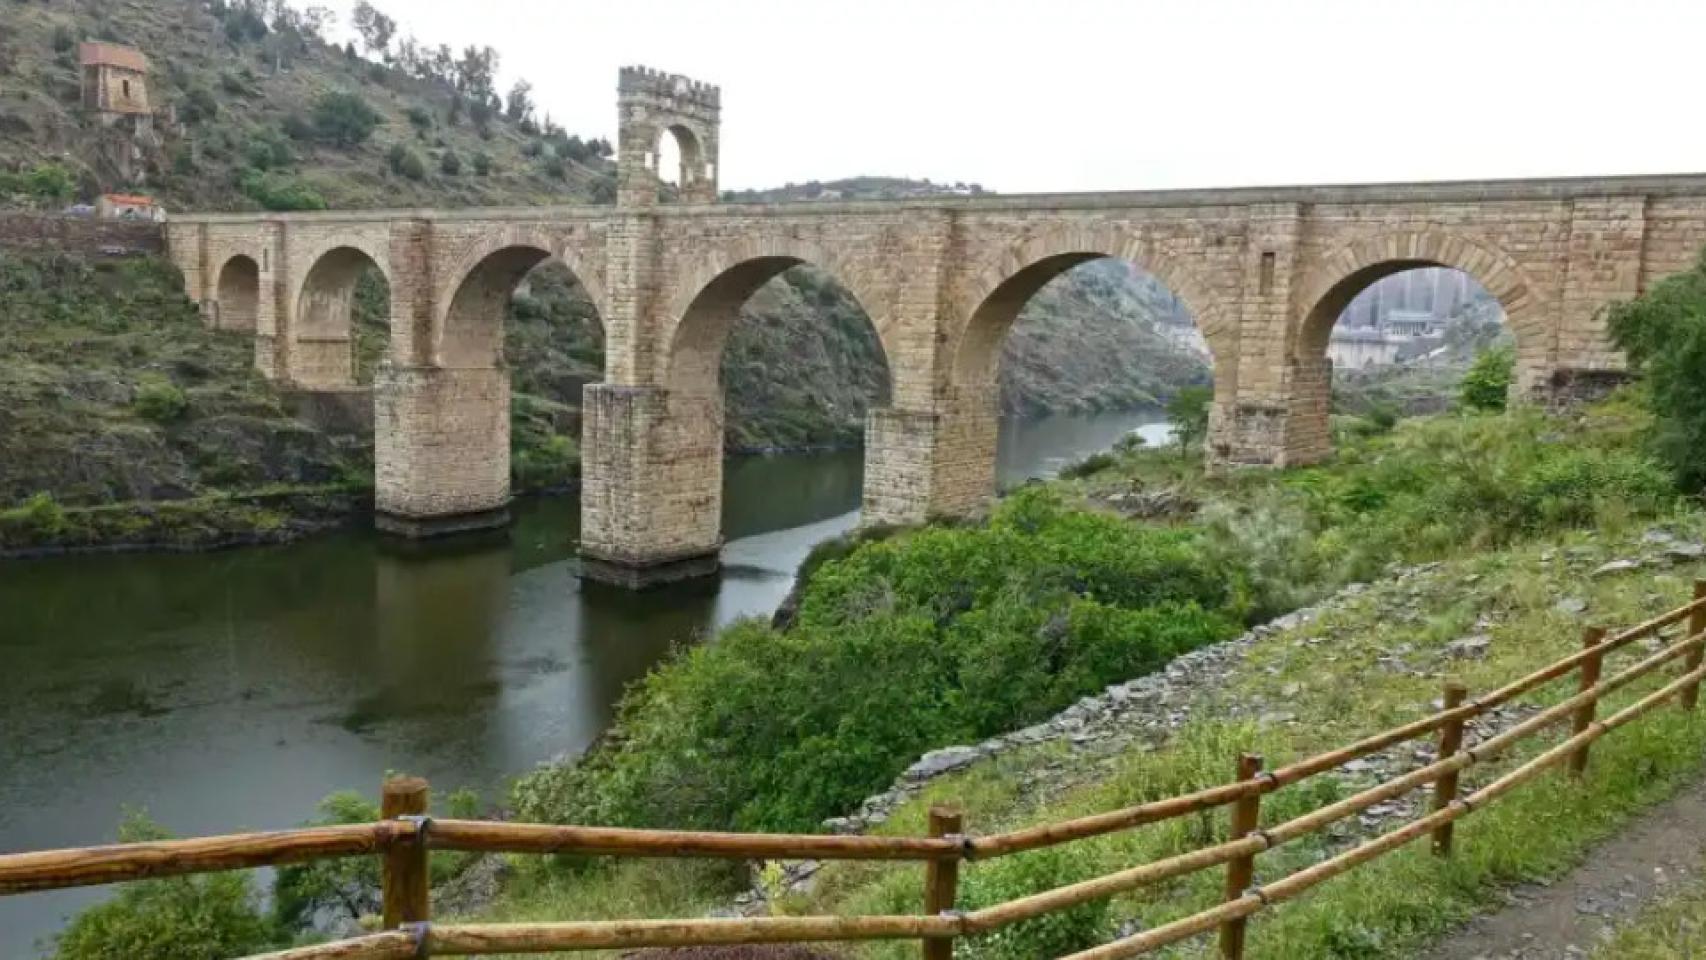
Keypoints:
(650, 104)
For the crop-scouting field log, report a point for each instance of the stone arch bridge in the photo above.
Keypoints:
(1264, 271)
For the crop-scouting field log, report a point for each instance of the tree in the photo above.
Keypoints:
(1188, 410)
(476, 73)
(450, 164)
(1488, 382)
(344, 119)
(1663, 333)
(520, 105)
(375, 29)
(179, 918)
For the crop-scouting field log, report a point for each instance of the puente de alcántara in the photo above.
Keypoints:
(1264, 271)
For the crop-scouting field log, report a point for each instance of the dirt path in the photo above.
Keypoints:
(1569, 917)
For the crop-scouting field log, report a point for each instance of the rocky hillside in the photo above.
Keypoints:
(265, 114)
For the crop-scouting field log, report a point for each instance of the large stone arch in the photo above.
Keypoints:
(708, 298)
(470, 300)
(1000, 290)
(237, 294)
(1337, 278)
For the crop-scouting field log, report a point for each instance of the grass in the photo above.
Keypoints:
(1392, 641)
(1672, 929)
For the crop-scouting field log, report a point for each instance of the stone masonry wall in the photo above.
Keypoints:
(88, 236)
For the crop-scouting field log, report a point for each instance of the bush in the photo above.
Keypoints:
(1052, 935)
(42, 515)
(275, 191)
(1188, 411)
(450, 164)
(406, 163)
(182, 918)
(941, 636)
(420, 118)
(199, 105)
(1664, 335)
(554, 167)
(1487, 385)
(159, 400)
(1093, 464)
(482, 164)
(343, 119)
(553, 464)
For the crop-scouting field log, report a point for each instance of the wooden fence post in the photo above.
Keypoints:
(1450, 741)
(1246, 817)
(1591, 668)
(942, 880)
(1696, 626)
(404, 882)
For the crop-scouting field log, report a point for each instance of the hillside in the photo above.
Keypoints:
(249, 131)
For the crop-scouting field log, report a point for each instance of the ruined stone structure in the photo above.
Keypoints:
(114, 81)
(1264, 271)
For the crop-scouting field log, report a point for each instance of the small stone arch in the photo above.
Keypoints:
(468, 327)
(1003, 287)
(237, 294)
(328, 283)
(708, 299)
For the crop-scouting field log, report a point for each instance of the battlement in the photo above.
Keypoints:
(647, 81)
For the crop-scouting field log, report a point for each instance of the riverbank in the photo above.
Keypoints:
(1482, 494)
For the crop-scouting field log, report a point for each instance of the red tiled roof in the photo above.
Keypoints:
(112, 55)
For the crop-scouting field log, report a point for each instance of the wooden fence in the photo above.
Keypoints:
(406, 835)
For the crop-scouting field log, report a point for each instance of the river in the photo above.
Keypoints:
(231, 691)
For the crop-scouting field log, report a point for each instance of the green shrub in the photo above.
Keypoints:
(405, 162)
(420, 118)
(551, 464)
(483, 164)
(1663, 332)
(1093, 464)
(41, 515)
(1188, 411)
(182, 918)
(1052, 935)
(159, 400)
(276, 191)
(450, 164)
(940, 636)
(343, 119)
(1487, 384)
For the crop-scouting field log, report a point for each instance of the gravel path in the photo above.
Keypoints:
(1654, 857)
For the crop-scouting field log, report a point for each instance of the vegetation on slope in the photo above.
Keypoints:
(270, 115)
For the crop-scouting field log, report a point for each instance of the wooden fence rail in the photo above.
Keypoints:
(406, 836)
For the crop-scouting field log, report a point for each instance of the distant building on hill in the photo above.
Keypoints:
(129, 206)
(114, 81)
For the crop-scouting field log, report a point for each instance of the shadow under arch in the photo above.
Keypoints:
(237, 297)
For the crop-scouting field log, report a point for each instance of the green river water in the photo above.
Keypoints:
(229, 691)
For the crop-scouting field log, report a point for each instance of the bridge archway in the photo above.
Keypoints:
(699, 368)
(1001, 293)
(237, 298)
(1355, 268)
(494, 434)
(327, 349)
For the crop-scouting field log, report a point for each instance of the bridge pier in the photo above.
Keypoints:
(651, 484)
(441, 450)
(921, 465)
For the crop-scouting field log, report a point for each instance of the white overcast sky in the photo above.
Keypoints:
(1099, 94)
